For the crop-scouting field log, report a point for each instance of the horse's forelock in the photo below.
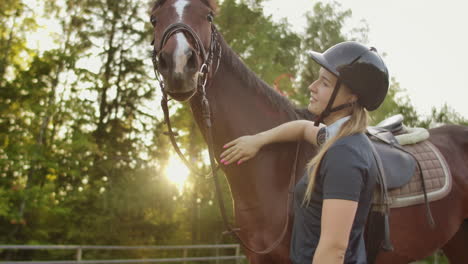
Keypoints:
(210, 3)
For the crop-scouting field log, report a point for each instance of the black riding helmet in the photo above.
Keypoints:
(358, 67)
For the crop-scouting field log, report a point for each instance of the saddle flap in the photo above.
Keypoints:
(398, 166)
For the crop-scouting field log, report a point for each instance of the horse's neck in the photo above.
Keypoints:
(242, 102)
(240, 107)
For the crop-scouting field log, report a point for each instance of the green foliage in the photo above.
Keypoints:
(396, 102)
(16, 19)
(83, 154)
(445, 115)
(282, 54)
(324, 29)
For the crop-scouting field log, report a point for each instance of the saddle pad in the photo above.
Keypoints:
(436, 174)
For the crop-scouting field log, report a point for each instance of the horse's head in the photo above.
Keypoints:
(182, 40)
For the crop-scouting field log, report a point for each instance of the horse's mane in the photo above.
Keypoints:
(252, 80)
(210, 3)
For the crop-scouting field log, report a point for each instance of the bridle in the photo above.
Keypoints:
(204, 70)
(203, 74)
(203, 81)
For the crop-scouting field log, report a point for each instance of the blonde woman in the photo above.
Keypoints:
(332, 201)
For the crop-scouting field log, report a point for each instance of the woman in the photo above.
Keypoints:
(332, 202)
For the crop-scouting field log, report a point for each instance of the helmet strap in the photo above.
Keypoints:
(328, 109)
(341, 107)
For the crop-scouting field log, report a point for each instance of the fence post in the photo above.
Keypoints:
(79, 253)
(217, 254)
(185, 255)
(237, 254)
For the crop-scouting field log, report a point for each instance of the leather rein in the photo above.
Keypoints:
(203, 74)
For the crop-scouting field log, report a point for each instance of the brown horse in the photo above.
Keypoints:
(185, 41)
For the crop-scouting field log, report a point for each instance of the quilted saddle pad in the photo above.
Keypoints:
(436, 174)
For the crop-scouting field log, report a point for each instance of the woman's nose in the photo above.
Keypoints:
(313, 87)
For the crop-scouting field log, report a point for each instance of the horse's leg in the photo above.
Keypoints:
(457, 248)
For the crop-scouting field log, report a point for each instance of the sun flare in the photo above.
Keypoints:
(177, 173)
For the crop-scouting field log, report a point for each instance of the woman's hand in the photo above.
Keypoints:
(241, 149)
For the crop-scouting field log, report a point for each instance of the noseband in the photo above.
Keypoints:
(199, 48)
(184, 28)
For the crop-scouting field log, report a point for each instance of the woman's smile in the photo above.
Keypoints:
(312, 99)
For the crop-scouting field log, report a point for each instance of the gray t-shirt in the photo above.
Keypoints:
(348, 171)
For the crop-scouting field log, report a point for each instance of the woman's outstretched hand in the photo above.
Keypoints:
(241, 149)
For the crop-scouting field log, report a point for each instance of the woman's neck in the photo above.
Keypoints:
(333, 117)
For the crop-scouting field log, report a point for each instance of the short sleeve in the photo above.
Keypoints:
(343, 171)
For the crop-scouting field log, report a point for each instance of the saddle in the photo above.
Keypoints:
(396, 164)
(393, 124)
(401, 181)
(404, 154)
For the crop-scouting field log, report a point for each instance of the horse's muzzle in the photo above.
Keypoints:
(182, 96)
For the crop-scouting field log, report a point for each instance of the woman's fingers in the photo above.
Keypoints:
(231, 157)
(238, 157)
(230, 144)
(242, 160)
(227, 152)
(238, 150)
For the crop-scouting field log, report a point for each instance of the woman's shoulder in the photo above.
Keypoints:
(355, 145)
(353, 141)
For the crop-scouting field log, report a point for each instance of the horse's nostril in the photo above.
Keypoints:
(191, 61)
(163, 63)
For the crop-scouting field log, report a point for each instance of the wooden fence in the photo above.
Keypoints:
(185, 259)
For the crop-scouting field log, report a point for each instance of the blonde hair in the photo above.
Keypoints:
(356, 124)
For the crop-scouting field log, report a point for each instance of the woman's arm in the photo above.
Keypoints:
(244, 148)
(337, 220)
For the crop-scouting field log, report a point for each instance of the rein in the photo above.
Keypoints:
(206, 113)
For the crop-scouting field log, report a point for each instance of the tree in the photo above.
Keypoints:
(83, 151)
(282, 54)
(445, 115)
(396, 102)
(60, 158)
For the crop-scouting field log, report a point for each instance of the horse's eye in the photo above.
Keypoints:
(210, 17)
(153, 21)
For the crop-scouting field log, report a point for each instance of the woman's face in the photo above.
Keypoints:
(321, 90)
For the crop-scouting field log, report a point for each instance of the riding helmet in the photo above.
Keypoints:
(358, 67)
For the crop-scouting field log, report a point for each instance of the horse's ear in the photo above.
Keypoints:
(156, 4)
(211, 4)
(214, 6)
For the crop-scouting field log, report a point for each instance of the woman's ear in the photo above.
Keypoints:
(352, 98)
(349, 95)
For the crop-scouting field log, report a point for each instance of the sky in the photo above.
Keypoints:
(425, 41)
